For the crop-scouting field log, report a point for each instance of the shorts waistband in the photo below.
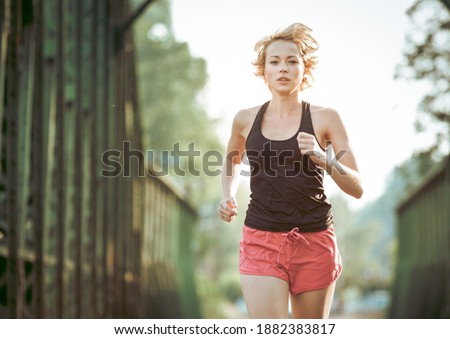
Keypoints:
(301, 229)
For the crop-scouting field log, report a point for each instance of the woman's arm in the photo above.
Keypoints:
(342, 165)
(231, 169)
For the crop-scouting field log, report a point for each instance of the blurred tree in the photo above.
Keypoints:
(427, 57)
(170, 80)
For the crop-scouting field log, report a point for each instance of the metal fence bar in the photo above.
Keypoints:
(94, 167)
(38, 164)
(12, 75)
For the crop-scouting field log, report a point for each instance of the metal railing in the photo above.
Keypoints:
(421, 287)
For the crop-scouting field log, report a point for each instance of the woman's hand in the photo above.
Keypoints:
(308, 145)
(228, 209)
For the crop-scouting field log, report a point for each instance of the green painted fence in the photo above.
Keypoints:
(422, 278)
(74, 243)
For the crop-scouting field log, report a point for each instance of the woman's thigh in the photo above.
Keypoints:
(313, 304)
(265, 296)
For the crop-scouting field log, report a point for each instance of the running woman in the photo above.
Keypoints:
(288, 249)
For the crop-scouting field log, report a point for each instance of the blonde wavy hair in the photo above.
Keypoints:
(300, 35)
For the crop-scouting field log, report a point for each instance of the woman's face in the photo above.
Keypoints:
(284, 68)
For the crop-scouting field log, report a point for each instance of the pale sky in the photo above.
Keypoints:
(361, 42)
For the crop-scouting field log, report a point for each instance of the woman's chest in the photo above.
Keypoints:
(280, 129)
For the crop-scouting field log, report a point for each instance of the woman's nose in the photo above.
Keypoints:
(283, 67)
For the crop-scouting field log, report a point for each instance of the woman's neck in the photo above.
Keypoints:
(285, 105)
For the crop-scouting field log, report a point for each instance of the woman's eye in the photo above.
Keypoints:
(293, 62)
(274, 62)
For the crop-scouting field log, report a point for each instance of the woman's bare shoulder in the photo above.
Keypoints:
(244, 118)
(325, 117)
(247, 114)
(324, 112)
(326, 121)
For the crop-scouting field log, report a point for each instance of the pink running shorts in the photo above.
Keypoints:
(307, 261)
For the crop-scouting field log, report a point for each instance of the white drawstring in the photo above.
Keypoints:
(291, 237)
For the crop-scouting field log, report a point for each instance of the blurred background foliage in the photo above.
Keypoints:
(169, 100)
(171, 81)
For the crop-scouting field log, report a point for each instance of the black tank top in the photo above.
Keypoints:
(286, 187)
